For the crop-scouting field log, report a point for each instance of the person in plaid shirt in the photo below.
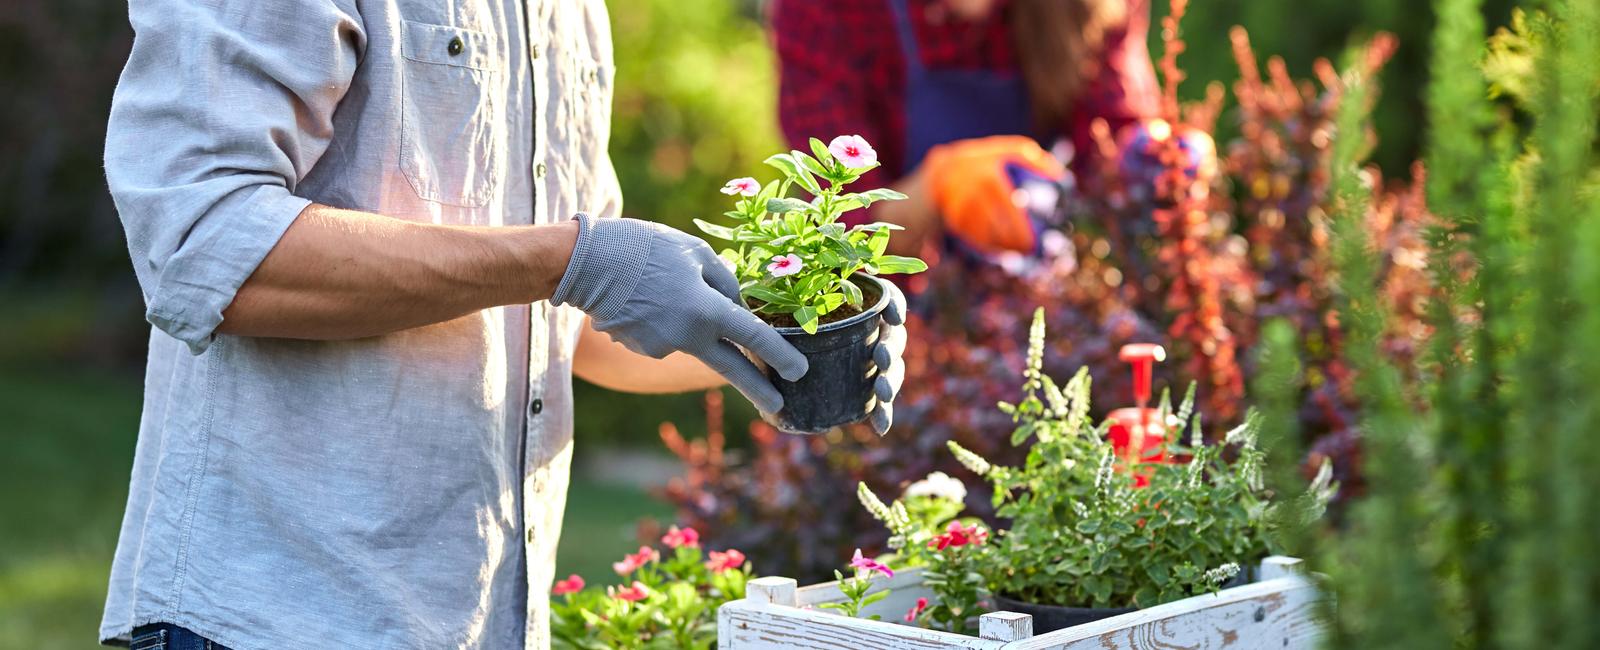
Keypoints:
(959, 96)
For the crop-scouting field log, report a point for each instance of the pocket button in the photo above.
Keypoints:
(455, 46)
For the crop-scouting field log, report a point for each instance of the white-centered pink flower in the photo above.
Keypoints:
(784, 265)
(745, 186)
(853, 151)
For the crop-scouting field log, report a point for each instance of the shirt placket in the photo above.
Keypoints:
(539, 315)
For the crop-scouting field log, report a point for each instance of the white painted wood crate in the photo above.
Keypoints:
(1276, 612)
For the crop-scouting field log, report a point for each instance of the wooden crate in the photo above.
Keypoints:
(1275, 612)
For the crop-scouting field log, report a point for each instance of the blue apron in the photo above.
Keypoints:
(948, 105)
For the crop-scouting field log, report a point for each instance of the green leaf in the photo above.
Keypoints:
(852, 293)
(784, 204)
(811, 164)
(1022, 433)
(879, 225)
(751, 235)
(821, 151)
(879, 242)
(883, 194)
(829, 302)
(720, 232)
(807, 317)
(768, 295)
(790, 167)
(897, 264)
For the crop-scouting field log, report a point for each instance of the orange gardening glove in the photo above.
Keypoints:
(973, 189)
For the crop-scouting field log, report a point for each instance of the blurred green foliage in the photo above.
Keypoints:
(695, 104)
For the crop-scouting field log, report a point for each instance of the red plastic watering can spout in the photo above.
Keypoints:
(1142, 356)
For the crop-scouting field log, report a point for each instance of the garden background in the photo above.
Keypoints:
(694, 106)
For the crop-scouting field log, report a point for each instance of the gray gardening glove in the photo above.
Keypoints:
(657, 290)
(891, 371)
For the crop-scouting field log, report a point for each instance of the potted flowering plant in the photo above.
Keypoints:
(1093, 533)
(663, 602)
(814, 278)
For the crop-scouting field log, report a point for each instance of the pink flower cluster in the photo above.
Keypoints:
(636, 561)
(916, 610)
(744, 186)
(637, 592)
(573, 584)
(959, 535)
(729, 560)
(853, 151)
(681, 537)
(783, 265)
(869, 564)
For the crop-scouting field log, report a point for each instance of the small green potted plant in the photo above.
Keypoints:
(813, 278)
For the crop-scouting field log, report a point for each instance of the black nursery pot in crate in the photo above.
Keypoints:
(837, 390)
(1049, 618)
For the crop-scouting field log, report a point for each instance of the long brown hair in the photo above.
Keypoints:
(1059, 45)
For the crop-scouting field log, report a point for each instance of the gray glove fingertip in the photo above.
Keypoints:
(882, 418)
(720, 278)
(895, 313)
(728, 361)
(749, 331)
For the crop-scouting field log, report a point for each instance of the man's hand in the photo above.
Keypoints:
(657, 290)
(891, 371)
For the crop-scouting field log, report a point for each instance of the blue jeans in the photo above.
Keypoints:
(162, 636)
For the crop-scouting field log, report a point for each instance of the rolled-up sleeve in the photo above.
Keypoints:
(223, 107)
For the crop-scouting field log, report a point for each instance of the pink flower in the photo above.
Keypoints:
(860, 562)
(573, 584)
(784, 265)
(911, 615)
(745, 186)
(853, 151)
(721, 561)
(636, 561)
(635, 593)
(677, 537)
(958, 535)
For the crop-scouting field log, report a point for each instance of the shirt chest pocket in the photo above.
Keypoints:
(452, 139)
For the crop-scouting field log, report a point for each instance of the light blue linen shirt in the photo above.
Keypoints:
(400, 491)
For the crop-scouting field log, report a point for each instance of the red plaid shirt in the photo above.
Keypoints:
(843, 70)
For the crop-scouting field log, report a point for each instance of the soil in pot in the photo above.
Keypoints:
(837, 390)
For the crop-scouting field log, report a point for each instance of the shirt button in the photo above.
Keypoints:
(455, 46)
(538, 170)
(536, 407)
(530, 536)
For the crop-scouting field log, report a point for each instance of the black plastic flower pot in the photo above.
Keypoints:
(837, 390)
(1049, 618)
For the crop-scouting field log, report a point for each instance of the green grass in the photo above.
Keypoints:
(69, 439)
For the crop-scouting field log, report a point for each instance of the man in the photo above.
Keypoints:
(353, 224)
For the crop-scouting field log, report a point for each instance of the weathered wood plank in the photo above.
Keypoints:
(1005, 626)
(773, 590)
(746, 625)
(1273, 614)
(1279, 566)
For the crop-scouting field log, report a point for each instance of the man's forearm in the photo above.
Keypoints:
(341, 274)
(916, 214)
